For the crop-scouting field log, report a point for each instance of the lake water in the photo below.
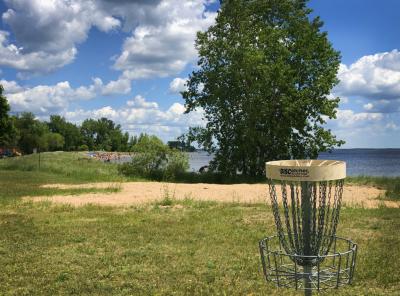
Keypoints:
(371, 162)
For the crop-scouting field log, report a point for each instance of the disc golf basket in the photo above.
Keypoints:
(306, 254)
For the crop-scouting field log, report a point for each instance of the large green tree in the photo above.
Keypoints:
(264, 78)
(6, 128)
(104, 134)
(32, 133)
(70, 132)
(89, 133)
(54, 141)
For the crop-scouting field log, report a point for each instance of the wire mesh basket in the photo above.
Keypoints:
(306, 254)
(332, 270)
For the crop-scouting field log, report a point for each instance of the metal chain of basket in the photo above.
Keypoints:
(325, 202)
(306, 197)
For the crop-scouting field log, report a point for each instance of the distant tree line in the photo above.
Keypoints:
(182, 144)
(27, 133)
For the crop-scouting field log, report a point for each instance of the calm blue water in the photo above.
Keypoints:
(371, 162)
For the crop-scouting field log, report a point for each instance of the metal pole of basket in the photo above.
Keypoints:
(306, 225)
(306, 199)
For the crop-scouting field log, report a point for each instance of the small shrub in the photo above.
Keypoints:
(393, 191)
(83, 147)
(127, 169)
(178, 164)
(150, 157)
(166, 201)
(155, 160)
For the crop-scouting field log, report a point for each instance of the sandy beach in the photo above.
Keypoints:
(137, 193)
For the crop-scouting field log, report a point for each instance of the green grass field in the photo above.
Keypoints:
(169, 248)
(71, 167)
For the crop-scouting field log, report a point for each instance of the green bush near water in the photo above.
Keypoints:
(156, 161)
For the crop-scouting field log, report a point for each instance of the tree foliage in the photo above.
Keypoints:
(54, 141)
(70, 132)
(181, 144)
(264, 78)
(31, 133)
(104, 134)
(153, 159)
(6, 128)
(151, 153)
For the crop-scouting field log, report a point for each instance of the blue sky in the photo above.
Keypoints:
(128, 59)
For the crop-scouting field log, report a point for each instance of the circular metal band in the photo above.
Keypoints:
(306, 170)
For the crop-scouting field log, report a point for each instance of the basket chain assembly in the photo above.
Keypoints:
(323, 221)
(306, 197)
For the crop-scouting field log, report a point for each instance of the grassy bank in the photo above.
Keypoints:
(169, 248)
(390, 184)
(22, 176)
(15, 184)
(69, 167)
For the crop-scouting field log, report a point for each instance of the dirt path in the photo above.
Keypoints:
(135, 193)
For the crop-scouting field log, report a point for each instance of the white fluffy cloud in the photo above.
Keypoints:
(48, 99)
(177, 85)
(62, 24)
(164, 47)
(47, 33)
(350, 119)
(140, 115)
(366, 129)
(119, 86)
(375, 78)
(141, 103)
(44, 99)
(38, 61)
(11, 87)
(368, 106)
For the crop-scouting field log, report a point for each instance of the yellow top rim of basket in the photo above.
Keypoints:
(306, 170)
